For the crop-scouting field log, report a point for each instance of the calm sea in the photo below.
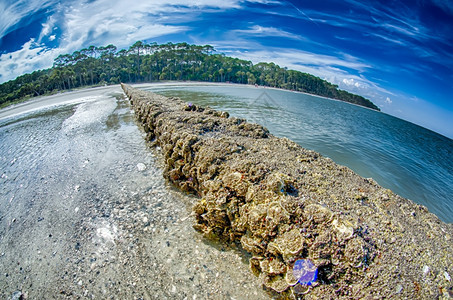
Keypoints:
(412, 161)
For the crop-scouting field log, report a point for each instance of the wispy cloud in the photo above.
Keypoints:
(261, 31)
(291, 58)
(14, 11)
(300, 11)
(47, 28)
(387, 38)
(103, 22)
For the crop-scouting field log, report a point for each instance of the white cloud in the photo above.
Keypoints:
(47, 28)
(351, 82)
(14, 11)
(265, 1)
(268, 31)
(388, 39)
(388, 100)
(29, 58)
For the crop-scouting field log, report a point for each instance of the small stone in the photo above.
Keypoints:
(76, 209)
(17, 295)
(301, 289)
(447, 276)
(425, 270)
(141, 167)
(399, 288)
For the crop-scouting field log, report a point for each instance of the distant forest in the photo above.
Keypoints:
(152, 62)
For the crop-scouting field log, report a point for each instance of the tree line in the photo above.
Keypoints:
(143, 62)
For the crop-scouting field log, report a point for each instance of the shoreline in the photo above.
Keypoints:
(200, 83)
(175, 82)
(281, 203)
(37, 103)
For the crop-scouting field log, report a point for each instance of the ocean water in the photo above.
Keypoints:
(412, 161)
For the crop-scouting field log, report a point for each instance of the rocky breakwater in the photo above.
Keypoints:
(290, 207)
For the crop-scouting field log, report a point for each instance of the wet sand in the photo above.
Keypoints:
(85, 211)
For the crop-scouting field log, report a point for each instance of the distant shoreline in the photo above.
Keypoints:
(199, 83)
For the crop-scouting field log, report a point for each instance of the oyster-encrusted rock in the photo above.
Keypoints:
(282, 203)
(289, 245)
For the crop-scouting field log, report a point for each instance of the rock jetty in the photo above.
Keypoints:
(284, 204)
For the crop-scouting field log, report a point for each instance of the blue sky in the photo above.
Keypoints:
(399, 54)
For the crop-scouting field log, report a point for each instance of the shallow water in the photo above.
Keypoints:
(412, 161)
(85, 211)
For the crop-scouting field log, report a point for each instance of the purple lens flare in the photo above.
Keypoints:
(305, 271)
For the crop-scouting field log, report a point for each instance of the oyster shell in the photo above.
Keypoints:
(290, 244)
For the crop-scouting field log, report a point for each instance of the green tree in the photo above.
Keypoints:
(148, 62)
